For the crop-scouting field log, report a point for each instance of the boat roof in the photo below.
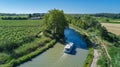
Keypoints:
(69, 45)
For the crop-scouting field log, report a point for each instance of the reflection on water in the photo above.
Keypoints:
(55, 57)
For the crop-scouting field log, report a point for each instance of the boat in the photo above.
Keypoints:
(68, 48)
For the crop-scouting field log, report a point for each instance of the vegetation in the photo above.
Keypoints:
(86, 23)
(107, 20)
(108, 15)
(24, 58)
(55, 22)
(14, 18)
(36, 15)
(89, 58)
(20, 40)
(115, 55)
(90, 24)
(102, 61)
(21, 23)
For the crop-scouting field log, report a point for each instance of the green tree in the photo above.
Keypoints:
(55, 22)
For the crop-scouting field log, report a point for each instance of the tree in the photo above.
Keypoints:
(55, 22)
(30, 15)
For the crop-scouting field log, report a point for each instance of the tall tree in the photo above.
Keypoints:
(55, 21)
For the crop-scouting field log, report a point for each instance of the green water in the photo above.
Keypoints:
(54, 57)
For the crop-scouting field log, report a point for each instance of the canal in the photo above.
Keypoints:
(55, 57)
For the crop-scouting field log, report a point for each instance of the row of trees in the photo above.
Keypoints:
(108, 15)
(14, 18)
(36, 15)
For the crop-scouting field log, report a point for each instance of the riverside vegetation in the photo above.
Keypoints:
(21, 40)
(92, 25)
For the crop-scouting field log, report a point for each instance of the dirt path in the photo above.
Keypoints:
(103, 45)
(96, 55)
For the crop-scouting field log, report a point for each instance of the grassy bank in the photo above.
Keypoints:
(89, 58)
(27, 57)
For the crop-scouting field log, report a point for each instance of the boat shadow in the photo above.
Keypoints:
(74, 50)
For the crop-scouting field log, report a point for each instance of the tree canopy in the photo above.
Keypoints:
(55, 21)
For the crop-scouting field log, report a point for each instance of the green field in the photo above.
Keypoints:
(20, 23)
(108, 20)
(19, 38)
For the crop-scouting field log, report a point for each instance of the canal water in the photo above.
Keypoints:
(55, 57)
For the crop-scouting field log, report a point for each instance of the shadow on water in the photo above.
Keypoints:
(73, 36)
(74, 51)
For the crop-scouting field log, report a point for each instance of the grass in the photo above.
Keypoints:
(115, 55)
(15, 23)
(102, 61)
(89, 58)
(20, 41)
(110, 20)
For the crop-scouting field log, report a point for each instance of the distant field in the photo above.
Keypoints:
(114, 28)
(20, 22)
(108, 20)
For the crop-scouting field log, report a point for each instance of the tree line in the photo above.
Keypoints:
(14, 18)
(108, 15)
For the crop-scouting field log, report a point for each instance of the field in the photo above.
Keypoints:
(114, 28)
(107, 20)
(20, 37)
(18, 23)
(115, 55)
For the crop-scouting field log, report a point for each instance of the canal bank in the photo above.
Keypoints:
(55, 57)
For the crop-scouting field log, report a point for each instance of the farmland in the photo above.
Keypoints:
(21, 23)
(114, 28)
(20, 37)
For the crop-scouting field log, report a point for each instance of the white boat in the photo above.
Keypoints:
(68, 48)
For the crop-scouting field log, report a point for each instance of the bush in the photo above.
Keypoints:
(102, 61)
